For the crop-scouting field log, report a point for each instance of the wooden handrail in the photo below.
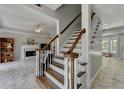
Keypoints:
(70, 23)
(48, 43)
(60, 33)
(76, 41)
(92, 15)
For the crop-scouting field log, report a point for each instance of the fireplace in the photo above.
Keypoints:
(30, 53)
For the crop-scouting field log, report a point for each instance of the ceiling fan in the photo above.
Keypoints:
(37, 27)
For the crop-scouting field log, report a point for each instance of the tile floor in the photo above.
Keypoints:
(18, 75)
(111, 76)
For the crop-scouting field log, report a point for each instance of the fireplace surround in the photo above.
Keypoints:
(28, 52)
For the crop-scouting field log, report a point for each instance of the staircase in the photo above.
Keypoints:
(66, 69)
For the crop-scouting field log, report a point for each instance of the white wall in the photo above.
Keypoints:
(20, 39)
(69, 31)
(96, 52)
(65, 14)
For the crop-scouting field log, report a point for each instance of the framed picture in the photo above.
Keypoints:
(30, 41)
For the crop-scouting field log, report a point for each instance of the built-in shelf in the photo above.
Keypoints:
(6, 50)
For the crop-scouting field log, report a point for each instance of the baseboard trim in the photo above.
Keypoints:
(94, 77)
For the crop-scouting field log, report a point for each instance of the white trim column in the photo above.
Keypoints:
(86, 23)
(58, 33)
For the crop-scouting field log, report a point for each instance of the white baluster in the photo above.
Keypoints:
(75, 73)
(66, 73)
(70, 73)
(37, 62)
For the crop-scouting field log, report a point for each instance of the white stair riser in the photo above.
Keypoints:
(61, 55)
(59, 61)
(69, 45)
(82, 80)
(73, 37)
(71, 40)
(75, 34)
(60, 85)
(83, 68)
(79, 25)
(59, 70)
(78, 29)
(75, 50)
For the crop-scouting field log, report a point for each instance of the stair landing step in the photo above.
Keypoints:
(56, 75)
(44, 81)
(58, 65)
(83, 64)
(80, 74)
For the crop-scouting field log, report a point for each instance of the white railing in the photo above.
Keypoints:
(43, 60)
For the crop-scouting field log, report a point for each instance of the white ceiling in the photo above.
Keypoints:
(24, 18)
(112, 15)
(53, 6)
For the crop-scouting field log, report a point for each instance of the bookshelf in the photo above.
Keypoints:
(6, 50)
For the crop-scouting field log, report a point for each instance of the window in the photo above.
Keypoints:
(109, 45)
(105, 45)
(113, 46)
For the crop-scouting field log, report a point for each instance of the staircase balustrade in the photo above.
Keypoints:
(44, 57)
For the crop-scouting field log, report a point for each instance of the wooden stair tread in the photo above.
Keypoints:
(56, 75)
(79, 85)
(77, 32)
(83, 64)
(59, 57)
(44, 81)
(66, 47)
(62, 52)
(72, 38)
(58, 65)
(69, 42)
(80, 74)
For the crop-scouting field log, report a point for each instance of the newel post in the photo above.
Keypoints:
(70, 71)
(39, 64)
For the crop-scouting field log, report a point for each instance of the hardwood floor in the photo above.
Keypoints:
(46, 83)
(18, 75)
(111, 76)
